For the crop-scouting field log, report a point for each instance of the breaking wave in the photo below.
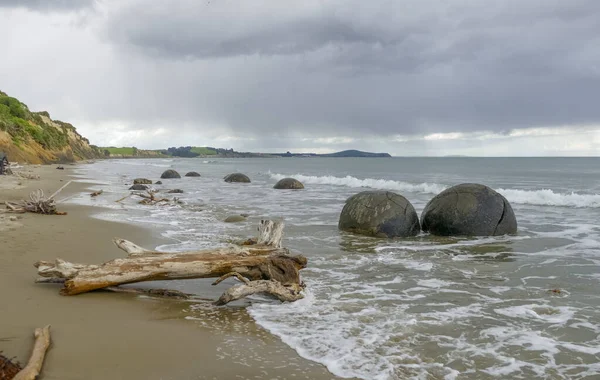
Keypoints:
(543, 197)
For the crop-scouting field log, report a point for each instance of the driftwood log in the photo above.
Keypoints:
(264, 267)
(10, 370)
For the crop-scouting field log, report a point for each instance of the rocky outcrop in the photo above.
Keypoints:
(379, 214)
(170, 174)
(469, 210)
(288, 184)
(237, 177)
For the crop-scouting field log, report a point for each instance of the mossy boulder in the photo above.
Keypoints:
(143, 181)
(379, 214)
(469, 209)
(235, 219)
(169, 174)
(139, 187)
(289, 183)
(192, 174)
(237, 177)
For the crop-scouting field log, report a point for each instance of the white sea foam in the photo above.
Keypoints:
(349, 181)
(543, 197)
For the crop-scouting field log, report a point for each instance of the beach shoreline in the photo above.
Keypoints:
(102, 335)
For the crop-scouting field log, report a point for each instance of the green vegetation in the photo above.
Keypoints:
(201, 150)
(21, 124)
(125, 151)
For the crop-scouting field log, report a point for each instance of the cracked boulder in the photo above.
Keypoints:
(469, 209)
(379, 214)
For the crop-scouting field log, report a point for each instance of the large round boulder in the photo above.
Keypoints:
(289, 183)
(142, 181)
(139, 187)
(237, 177)
(170, 174)
(380, 214)
(192, 174)
(469, 209)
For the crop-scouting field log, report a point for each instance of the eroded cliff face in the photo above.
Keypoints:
(33, 137)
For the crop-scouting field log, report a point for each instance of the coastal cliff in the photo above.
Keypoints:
(33, 137)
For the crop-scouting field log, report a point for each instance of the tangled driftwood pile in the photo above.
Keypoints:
(37, 203)
(264, 267)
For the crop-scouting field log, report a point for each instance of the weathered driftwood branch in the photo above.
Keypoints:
(150, 199)
(38, 203)
(268, 267)
(34, 366)
(96, 193)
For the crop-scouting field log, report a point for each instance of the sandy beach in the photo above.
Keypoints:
(103, 335)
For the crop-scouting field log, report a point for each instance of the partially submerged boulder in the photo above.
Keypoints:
(469, 209)
(237, 177)
(158, 183)
(170, 174)
(235, 219)
(192, 174)
(175, 191)
(379, 214)
(143, 181)
(289, 183)
(139, 187)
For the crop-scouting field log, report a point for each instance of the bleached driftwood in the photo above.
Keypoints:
(38, 203)
(248, 288)
(36, 360)
(266, 266)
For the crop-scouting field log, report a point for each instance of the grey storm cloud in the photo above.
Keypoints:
(342, 67)
(47, 5)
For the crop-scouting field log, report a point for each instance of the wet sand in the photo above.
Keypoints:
(103, 335)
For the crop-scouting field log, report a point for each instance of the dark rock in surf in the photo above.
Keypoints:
(175, 191)
(170, 174)
(469, 209)
(379, 214)
(158, 183)
(289, 183)
(192, 174)
(237, 177)
(142, 181)
(235, 219)
(139, 187)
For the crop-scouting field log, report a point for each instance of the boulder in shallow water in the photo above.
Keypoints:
(237, 177)
(192, 174)
(235, 219)
(158, 183)
(139, 187)
(289, 183)
(170, 174)
(175, 191)
(142, 181)
(469, 209)
(379, 214)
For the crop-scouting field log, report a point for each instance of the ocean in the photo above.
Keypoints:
(519, 307)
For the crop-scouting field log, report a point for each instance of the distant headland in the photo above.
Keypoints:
(210, 152)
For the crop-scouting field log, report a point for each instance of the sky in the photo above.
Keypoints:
(412, 78)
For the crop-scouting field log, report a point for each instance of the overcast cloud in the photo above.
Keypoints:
(408, 77)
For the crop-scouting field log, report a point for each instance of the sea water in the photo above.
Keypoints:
(524, 306)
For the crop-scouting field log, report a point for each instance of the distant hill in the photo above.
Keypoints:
(355, 153)
(33, 137)
(345, 153)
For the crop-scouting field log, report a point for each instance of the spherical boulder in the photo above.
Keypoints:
(235, 219)
(379, 214)
(237, 177)
(289, 183)
(142, 181)
(192, 174)
(469, 209)
(139, 187)
(170, 174)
